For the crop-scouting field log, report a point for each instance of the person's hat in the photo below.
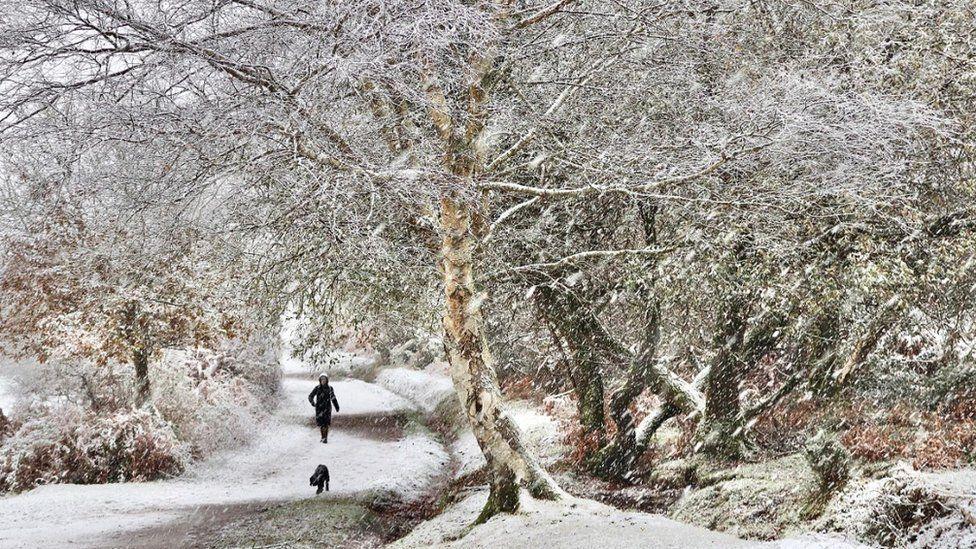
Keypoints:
(323, 376)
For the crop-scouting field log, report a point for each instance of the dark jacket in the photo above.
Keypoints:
(323, 398)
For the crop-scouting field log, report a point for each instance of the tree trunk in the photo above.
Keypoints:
(140, 361)
(588, 383)
(865, 345)
(616, 458)
(573, 327)
(473, 374)
(717, 431)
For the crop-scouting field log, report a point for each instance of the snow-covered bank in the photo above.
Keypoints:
(583, 523)
(570, 524)
(433, 392)
(429, 391)
(275, 467)
(907, 508)
(894, 506)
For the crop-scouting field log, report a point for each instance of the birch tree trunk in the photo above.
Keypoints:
(473, 373)
(510, 465)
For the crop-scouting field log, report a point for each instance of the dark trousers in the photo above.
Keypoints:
(324, 429)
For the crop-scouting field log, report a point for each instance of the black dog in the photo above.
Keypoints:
(320, 478)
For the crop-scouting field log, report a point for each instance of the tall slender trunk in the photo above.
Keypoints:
(475, 381)
(140, 361)
(472, 371)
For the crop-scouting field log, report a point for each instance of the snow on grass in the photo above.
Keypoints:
(540, 431)
(582, 523)
(540, 434)
(467, 454)
(275, 467)
(566, 524)
(817, 541)
(958, 527)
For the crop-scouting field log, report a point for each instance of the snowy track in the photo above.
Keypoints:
(366, 455)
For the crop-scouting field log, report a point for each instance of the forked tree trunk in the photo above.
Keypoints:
(615, 459)
(475, 380)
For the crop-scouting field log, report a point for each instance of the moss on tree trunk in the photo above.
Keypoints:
(503, 496)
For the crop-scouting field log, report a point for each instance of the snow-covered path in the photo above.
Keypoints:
(275, 467)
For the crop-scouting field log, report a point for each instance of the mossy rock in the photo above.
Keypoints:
(757, 501)
(676, 473)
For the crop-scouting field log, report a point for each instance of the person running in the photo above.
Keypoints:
(323, 399)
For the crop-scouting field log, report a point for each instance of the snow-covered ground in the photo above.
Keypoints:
(275, 467)
(579, 522)
(431, 388)
(420, 386)
(570, 524)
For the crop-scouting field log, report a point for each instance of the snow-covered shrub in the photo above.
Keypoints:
(215, 399)
(889, 511)
(70, 444)
(417, 352)
(953, 386)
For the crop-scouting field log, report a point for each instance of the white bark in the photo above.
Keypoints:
(471, 363)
